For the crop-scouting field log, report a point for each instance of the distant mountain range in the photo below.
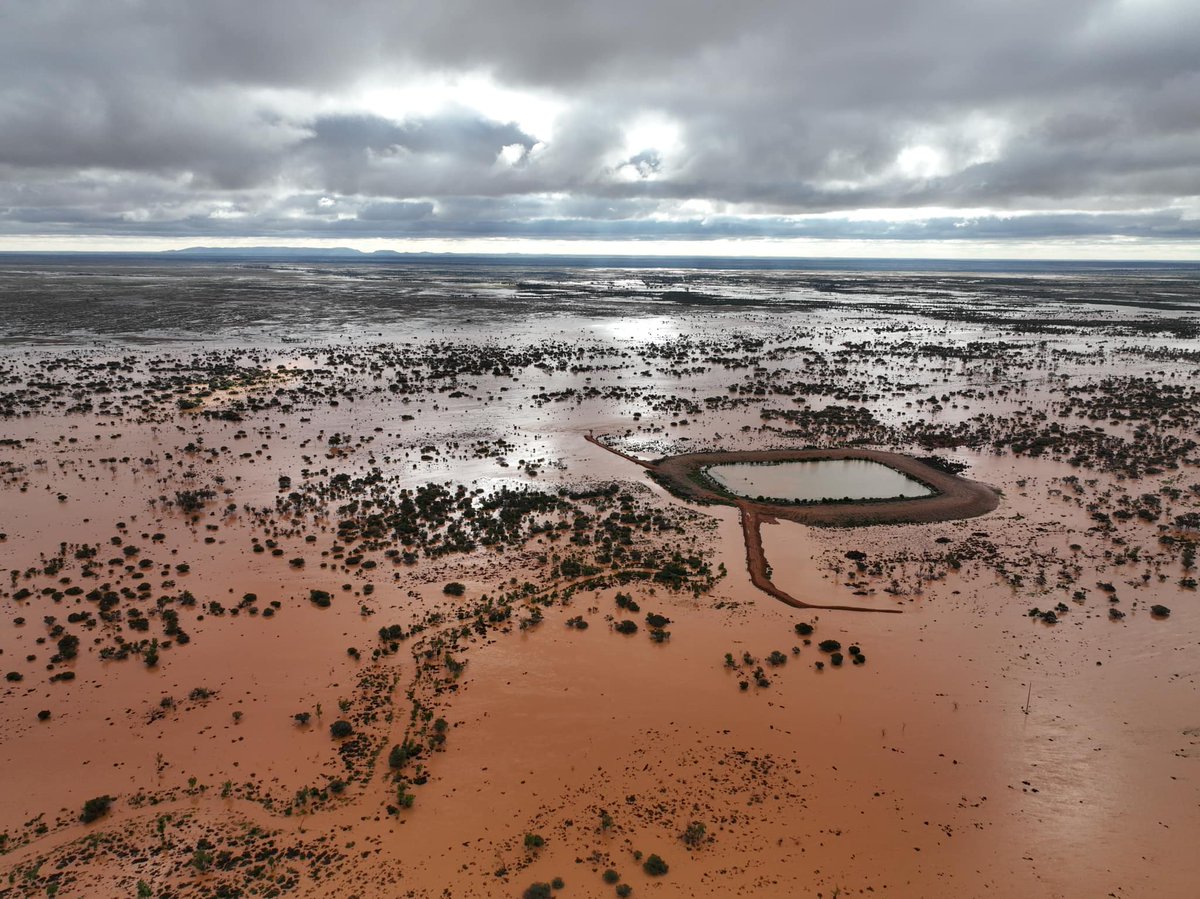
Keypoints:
(287, 252)
(351, 256)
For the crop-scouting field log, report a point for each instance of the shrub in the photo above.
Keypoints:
(68, 646)
(656, 620)
(835, 659)
(193, 500)
(623, 890)
(610, 876)
(626, 627)
(829, 646)
(803, 629)
(95, 808)
(454, 588)
(321, 598)
(537, 891)
(693, 835)
(558, 883)
(655, 866)
(340, 728)
(534, 841)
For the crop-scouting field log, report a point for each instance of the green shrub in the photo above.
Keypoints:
(340, 728)
(610, 876)
(95, 808)
(655, 866)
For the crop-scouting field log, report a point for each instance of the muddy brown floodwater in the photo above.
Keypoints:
(333, 598)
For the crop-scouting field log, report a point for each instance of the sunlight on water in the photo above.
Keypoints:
(818, 480)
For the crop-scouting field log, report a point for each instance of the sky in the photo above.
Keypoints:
(953, 128)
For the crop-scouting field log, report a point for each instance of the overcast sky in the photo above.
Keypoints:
(1065, 124)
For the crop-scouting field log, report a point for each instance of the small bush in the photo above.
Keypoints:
(693, 835)
(537, 891)
(340, 728)
(454, 588)
(655, 866)
(829, 646)
(626, 627)
(96, 808)
(625, 601)
(623, 890)
(610, 876)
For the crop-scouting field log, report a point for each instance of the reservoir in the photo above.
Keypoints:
(816, 481)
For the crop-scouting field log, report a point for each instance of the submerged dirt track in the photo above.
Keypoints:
(954, 497)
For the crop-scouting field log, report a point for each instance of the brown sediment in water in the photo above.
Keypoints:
(953, 498)
(932, 770)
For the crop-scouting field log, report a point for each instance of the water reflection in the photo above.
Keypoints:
(818, 480)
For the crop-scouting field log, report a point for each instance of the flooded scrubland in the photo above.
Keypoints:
(370, 581)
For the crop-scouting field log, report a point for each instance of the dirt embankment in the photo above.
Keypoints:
(953, 498)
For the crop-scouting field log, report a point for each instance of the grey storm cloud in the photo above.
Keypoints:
(1065, 119)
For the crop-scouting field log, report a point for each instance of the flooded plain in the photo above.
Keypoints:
(315, 585)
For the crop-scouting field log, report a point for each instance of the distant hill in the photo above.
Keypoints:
(280, 252)
(350, 256)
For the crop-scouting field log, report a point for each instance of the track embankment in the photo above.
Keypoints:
(953, 498)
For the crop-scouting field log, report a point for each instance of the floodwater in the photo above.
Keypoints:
(979, 751)
(815, 481)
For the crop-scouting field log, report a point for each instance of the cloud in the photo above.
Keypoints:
(776, 117)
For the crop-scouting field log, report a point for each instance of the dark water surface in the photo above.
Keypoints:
(83, 302)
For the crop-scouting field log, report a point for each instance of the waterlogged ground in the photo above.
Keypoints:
(314, 587)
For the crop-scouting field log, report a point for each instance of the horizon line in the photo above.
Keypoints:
(281, 250)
